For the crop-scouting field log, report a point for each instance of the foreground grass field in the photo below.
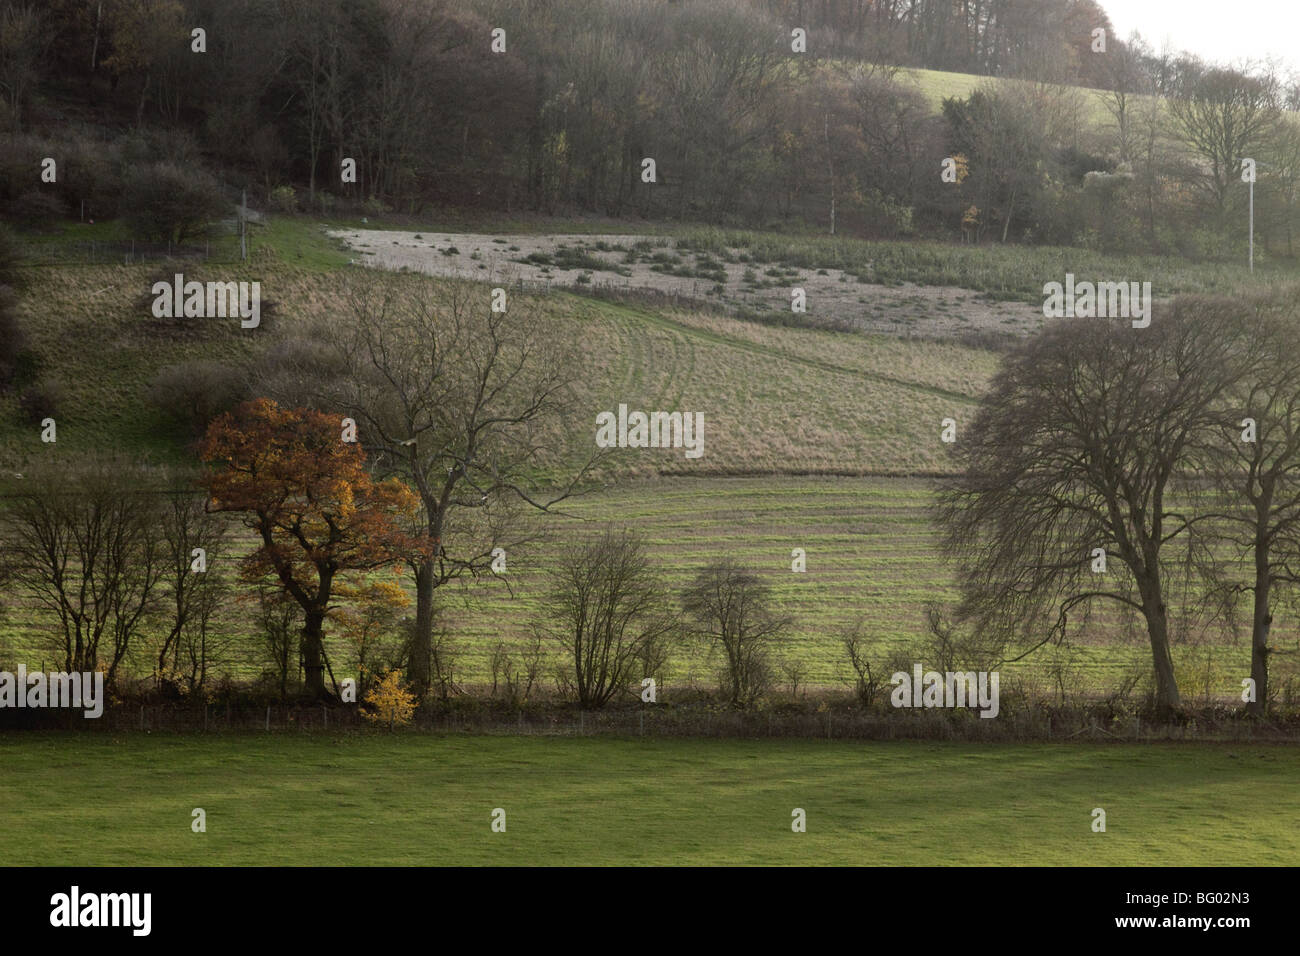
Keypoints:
(428, 801)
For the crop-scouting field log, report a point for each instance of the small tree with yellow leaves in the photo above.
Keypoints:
(390, 702)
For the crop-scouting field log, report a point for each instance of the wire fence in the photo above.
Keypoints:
(649, 721)
(221, 249)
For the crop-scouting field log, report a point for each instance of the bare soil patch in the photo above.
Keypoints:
(734, 280)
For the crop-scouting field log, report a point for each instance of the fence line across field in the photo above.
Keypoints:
(648, 721)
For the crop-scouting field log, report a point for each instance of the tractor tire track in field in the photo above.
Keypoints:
(654, 318)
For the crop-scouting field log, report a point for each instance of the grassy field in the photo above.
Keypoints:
(420, 800)
(775, 400)
(871, 558)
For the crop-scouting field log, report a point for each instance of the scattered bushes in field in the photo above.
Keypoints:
(293, 370)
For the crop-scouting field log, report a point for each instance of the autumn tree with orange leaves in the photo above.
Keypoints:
(317, 511)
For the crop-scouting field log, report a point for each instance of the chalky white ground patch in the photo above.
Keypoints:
(903, 310)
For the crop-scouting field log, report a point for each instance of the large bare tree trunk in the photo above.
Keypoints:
(1167, 697)
(420, 671)
(1263, 622)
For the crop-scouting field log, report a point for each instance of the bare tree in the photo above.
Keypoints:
(1256, 468)
(279, 621)
(1126, 79)
(468, 405)
(1076, 447)
(84, 543)
(1222, 115)
(192, 539)
(606, 611)
(23, 44)
(732, 609)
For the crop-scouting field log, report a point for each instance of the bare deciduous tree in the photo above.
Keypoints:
(1222, 115)
(84, 542)
(607, 612)
(466, 404)
(732, 609)
(1077, 446)
(189, 590)
(1255, 465)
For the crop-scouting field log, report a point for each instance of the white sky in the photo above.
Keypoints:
(1220, 30)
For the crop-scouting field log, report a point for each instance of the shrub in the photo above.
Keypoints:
(167, 203)
(193, 393)
(35, 209)
(389, 702)
(284, 199)
(39, 402)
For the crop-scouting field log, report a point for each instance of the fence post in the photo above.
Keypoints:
(326, 712)
(268, 716)
(142, 716)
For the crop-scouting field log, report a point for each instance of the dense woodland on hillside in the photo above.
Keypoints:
(743, 130)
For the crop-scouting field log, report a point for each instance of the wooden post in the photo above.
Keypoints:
(268, 716)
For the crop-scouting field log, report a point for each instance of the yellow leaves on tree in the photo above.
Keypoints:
(390, 702)
(371, 613)
(316, 510)
(961, 167)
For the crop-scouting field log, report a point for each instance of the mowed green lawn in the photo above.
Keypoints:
(428, 800)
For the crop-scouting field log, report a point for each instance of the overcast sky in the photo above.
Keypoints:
(1221, 30)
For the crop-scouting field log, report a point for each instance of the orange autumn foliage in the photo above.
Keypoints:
(307, 495)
